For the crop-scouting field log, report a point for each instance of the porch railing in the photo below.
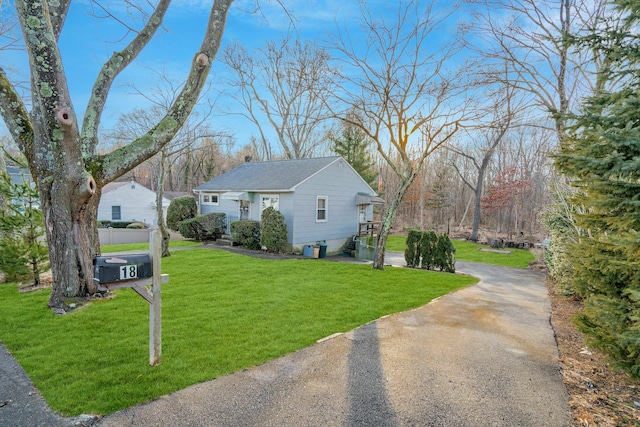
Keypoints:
(369, 228)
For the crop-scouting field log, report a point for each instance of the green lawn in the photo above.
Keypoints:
(469, 251)
(145, 246)
(222, 312)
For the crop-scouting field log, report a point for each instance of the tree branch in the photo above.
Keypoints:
(116, 163)
(118, 62)
(15, 116)
(58, 14)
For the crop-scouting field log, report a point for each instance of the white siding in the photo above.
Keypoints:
(137, 203)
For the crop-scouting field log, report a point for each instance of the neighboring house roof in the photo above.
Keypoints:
(276, 176)
(113, 185)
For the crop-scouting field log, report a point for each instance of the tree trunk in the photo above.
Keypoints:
(159, 208)
(71, 237)
(387, 222)
(476, 209)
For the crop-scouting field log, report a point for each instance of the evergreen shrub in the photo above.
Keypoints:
(412, 252)
(203, 227)
(427, 248)
(180, 209)
(246, 233)
(430, 251)
(444, 254)
(273, 231)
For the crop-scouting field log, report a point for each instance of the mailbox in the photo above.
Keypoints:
(120, 268)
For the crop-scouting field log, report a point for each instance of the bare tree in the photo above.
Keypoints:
(535, 37)
(400, 86)
(283, 84)
(9, 29)
(482, 139)
(133, 125)
(62, 153)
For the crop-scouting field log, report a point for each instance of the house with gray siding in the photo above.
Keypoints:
(321, 199)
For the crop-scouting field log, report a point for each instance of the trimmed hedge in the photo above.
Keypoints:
(246, 233)
(426, 249)
(180, 209)
(203, 227)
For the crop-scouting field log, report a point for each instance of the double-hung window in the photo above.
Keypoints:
(322, 205)
(116, 213)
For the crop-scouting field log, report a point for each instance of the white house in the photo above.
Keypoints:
(321, 199)
(129, 201)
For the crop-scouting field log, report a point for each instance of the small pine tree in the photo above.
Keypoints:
(353, 145)
(23, 249)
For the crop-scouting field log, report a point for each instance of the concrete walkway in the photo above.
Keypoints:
(482, 356)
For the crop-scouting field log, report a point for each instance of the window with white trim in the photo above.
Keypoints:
(322, 205)
(209, 198)
(116, 213)
(269, 201)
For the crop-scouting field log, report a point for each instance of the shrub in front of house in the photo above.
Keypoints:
(246, 233)
(203, 227)
(180, 209)
(273, 231)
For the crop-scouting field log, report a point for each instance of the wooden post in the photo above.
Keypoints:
(155, 306)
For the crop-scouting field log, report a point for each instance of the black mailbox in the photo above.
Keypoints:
(119, 268)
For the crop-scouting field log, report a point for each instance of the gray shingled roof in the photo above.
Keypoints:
(279, 175)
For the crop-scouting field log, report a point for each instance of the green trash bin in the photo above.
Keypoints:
(323, 249)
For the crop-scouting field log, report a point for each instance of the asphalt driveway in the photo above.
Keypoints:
(482, 356)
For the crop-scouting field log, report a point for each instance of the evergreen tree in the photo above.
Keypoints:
(353, 145)
(23, 250)
(601, 154)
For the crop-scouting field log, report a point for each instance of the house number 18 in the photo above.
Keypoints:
(128, 272)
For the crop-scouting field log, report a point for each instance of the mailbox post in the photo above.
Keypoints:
(142, 273)
(155, 308)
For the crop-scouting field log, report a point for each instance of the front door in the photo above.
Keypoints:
(244, 209)
(362, 213)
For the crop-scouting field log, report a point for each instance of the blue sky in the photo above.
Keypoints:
(86, 43)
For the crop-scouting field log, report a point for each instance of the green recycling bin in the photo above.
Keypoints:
(323, 249)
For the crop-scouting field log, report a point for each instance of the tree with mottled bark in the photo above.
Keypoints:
(410, 101)
(61, 152)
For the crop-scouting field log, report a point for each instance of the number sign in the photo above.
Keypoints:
(128, 272)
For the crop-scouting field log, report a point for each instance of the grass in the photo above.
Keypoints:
(222, 312)
(145, 246)
(469, 251)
